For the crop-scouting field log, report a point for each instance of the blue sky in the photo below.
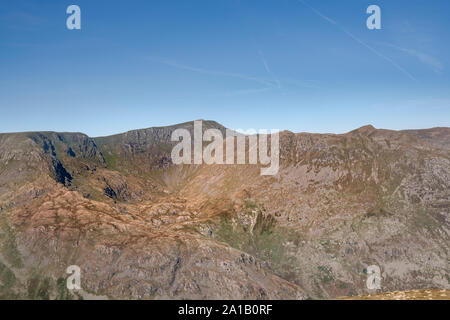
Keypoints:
(287, 64)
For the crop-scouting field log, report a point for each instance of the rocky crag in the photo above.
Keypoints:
(140, 227)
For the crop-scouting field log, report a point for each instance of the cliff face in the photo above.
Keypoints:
(141, 227)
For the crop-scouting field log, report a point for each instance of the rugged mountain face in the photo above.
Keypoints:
(139, 226)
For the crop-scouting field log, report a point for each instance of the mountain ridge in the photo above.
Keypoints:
(215, 124)
(141, 227)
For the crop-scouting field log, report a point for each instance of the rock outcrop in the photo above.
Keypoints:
(140, 227)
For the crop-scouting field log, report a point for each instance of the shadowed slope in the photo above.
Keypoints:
(141, 227)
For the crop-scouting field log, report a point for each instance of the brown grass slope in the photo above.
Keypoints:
(141, 227)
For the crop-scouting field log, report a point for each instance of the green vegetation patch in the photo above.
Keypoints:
(62, 293)
(45, 288)
(325, 274)
(7, 277)
(8, 245)
(266, 241)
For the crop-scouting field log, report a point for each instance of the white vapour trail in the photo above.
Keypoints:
(351, 35)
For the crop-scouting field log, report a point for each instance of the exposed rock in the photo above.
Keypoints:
(141, 227)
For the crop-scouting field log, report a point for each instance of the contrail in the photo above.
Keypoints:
(432, 62)
(270, 83)
(351, 35)
(266, 66)
(174, 64)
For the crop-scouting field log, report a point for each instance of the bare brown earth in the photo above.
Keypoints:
(140, 227)
(407, 295)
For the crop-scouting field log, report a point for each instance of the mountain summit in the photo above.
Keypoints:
(139, 226)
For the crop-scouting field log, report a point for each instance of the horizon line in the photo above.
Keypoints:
(203, 120)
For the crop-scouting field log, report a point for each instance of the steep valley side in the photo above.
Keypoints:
(141, 227)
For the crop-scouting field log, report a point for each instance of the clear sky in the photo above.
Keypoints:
(301, 65)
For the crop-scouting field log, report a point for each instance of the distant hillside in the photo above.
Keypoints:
(141, 227)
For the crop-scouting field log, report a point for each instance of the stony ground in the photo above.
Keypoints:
(407, 295)
(140, 227)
